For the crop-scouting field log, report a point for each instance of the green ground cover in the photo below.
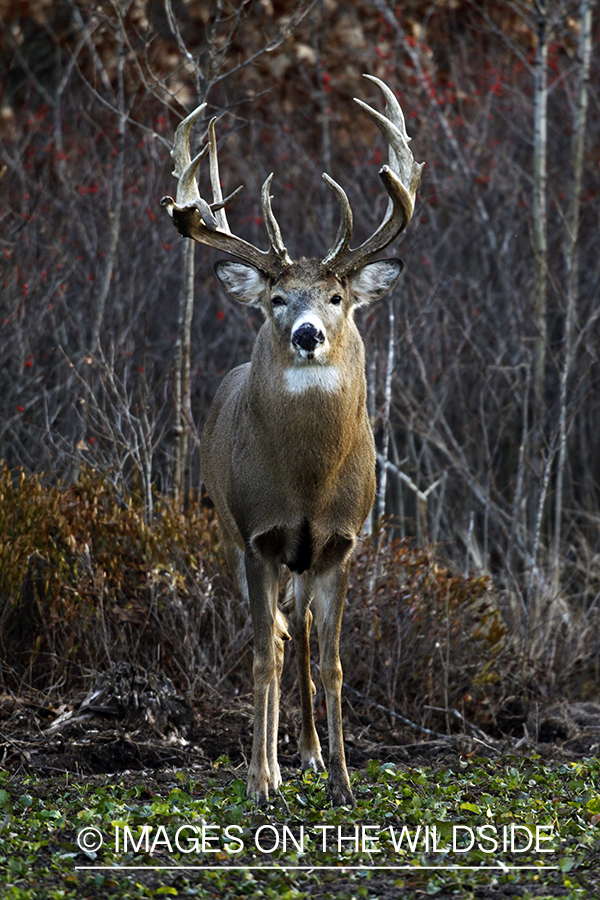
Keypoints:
(458, 820)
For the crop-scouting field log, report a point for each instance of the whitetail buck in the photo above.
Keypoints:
(287, 452)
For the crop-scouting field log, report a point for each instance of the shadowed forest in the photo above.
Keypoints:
(478, 585)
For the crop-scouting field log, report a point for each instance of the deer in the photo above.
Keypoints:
(287, 453)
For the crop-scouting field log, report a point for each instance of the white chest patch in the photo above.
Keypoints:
(302, 378)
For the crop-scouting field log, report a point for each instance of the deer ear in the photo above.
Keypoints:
(374, 280)
(241, 281)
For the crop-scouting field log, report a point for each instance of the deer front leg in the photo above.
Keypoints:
(281, 635)
(330, 593)
(300, 595)
(262, 589)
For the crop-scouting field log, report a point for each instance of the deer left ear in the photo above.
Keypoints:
(374, 280)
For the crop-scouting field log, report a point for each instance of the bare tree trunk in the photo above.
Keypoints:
(321, 40)
(572, 263)
(117, 200)
(518, 520)
(183, 400)
(183, 405)
(387, 409)
(114, 216)
(539, 209)
(537, 496)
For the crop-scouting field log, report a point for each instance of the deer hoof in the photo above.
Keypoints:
(259, 795)
(275, 780)
(340, 793)
(257, 788)
(314, 762)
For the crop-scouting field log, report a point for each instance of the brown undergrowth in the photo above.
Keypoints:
(85, 584)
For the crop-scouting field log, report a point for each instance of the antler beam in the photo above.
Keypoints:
(207, 222)
(401, 179)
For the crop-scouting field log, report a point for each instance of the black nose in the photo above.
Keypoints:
(306, 337)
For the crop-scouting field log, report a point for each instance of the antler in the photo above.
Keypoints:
(401, 179)
(206, 222)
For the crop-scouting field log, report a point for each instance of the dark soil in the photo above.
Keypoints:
(132, 720)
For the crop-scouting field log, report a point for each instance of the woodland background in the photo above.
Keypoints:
(482, 368)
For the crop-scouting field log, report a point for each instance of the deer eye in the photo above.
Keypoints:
(277, 301)
(336, 300)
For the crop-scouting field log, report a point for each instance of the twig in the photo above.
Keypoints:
(475, 728)
(392, 713)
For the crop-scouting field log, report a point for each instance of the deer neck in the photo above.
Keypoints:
(308, 415)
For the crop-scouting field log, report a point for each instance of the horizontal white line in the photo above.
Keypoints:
(341, 868)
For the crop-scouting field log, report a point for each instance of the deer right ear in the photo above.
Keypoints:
(242, 282)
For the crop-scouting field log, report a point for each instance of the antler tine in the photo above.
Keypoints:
(180, 154)
(215, 181)
(394, 114)
(206, 222)
(400, 177)
(342, 240)
(187, 189)
(272, 225)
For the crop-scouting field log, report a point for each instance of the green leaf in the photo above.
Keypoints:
(373, 768)
(222, 760)
(471, 807)
(566, 864)
(593, 804)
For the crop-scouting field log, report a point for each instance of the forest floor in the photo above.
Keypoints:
(96, 733)
(94, 743)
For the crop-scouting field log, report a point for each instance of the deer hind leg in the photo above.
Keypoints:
(298, 598)
(263, 580)
(330, 593)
